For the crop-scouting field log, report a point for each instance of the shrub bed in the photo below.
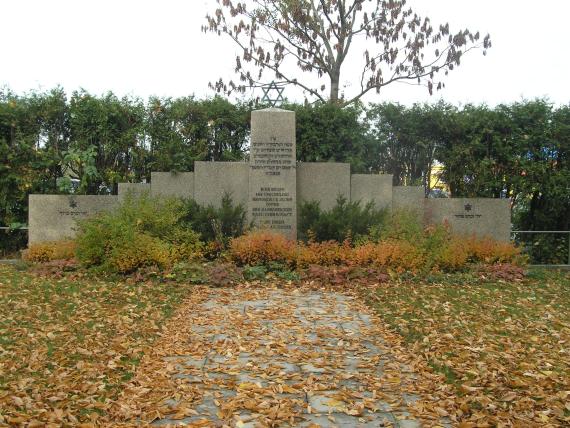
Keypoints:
(435, 250)
(157, 235)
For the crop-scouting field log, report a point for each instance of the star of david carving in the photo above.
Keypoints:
(268, 92)
(72, 203)
(468, 207)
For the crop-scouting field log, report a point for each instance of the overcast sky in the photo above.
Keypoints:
(143, 48)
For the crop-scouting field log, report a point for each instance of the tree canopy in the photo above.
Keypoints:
(307, 43)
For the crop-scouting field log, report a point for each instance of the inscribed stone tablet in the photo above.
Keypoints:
(478, 216)
(53, 217)
(273, 174)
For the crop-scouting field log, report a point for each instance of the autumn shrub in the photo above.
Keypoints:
(327, 253)
(50, 251)
(399, 225)
(451, 256)
(261, 247)
(490, 251)
(345, 220)
(400, 255)
(140, 232)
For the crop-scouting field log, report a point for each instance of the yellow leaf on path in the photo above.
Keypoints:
(509, 396)
(467, 388)
(334, 403)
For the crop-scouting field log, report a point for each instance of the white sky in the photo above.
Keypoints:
(142, 48)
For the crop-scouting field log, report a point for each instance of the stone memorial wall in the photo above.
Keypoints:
(271, 186)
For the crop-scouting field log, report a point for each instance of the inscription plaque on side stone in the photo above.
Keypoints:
(273, 171)
(54, 217)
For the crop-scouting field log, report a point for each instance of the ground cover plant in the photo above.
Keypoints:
(501, 346)
(67, 345)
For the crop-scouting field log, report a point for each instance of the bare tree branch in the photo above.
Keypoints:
(316, 36)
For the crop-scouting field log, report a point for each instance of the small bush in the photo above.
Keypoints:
(262, 247)
(489, 251)
(400, 225)
(50, 251)
(142, 232)
(326, 253)
(450, 257)
(217, 225)
(400, 255)
(346, 220)
(251, 273)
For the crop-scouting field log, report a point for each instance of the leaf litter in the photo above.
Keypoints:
(98, 353)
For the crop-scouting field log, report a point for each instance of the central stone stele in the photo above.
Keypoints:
(273, 171)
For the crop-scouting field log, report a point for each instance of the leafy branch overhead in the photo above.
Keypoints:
(306, 43)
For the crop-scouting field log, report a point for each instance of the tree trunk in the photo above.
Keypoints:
(335, 79)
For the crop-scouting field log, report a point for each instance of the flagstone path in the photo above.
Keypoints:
(249, 357)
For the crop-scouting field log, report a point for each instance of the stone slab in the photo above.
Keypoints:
(376, 188)
(54, 217)
(323, 182)
(468, 216)
(177, 184)
(273, 171)
(134, 189)
(213, 179)
(408, 198)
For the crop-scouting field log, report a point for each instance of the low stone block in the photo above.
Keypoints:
(472, 216)
(133, 189)
(410, 198)
(376, 188)
(177, 184)
(323, 182)
(54, 217)
(213, 179)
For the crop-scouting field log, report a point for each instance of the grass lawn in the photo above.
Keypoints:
(68, 345)
(503, 348)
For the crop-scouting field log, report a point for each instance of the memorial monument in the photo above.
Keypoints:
(272, 185)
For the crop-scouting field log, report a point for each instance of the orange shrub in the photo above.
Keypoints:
(400, 255)
(262, 246)
(487, 250)
(363, 255)
(450, 257)
(327, 253)
(49, 251)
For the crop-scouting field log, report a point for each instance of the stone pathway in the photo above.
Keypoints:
(274, 357)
